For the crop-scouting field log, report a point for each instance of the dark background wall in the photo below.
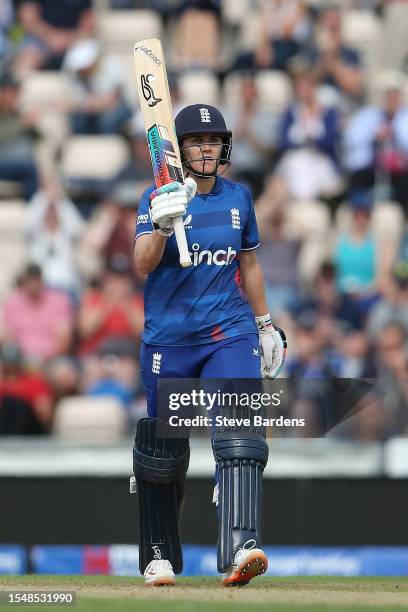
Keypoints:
(305, 511)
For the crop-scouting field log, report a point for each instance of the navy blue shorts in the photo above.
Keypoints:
(236, 357)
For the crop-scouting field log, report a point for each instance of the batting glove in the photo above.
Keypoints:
(272, 342)
(170, 201)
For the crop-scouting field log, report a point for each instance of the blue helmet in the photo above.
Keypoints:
(204, 119)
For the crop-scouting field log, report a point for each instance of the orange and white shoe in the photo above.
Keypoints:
(159, 572)
(246, 565)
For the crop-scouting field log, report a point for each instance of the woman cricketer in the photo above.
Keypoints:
(205, 321)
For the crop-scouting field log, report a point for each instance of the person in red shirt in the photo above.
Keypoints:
(26, 402)
(112, 311)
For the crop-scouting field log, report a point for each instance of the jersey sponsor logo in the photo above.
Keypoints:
(147, 89)
(150, 54)
(205, 115)
(235, 219)
(216, 258)
(187, 222)
(143, 218)
(156, 363)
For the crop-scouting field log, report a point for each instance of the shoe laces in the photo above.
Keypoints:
(249, 545)
(159, 564)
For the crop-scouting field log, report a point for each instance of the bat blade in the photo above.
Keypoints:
(155, 103)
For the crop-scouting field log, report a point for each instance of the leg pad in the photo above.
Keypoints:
(241, 458)
(160, 464)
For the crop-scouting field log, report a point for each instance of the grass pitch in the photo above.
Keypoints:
(203, 594)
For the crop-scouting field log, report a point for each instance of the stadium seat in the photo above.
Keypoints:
(198, 86)
(310, 221)
(231, 90)
(388, 221)
(93, 157)
(9, 189)
(236, 12)
(44, 90)
(274, 90)
(89, 419)
(364, 31)
(250, 32)
(119, 30)
(12, 242)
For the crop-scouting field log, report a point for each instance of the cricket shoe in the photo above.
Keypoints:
(159, 572)
(246, 565)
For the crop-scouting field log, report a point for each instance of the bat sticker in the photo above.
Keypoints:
(164, 159)
(147, 89)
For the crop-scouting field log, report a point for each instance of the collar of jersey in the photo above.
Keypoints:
(215, 190)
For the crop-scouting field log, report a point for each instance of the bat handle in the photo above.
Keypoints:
(180, 233)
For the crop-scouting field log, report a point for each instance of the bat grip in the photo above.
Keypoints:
(180, 233)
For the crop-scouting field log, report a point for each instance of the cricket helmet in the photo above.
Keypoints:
(204, 119)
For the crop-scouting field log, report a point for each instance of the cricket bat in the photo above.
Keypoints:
(158, 120)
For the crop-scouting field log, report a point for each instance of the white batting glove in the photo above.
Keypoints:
(170, 201)
(272, 342)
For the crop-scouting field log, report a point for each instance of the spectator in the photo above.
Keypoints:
(17, 162)
(98, 84)
(38, 319)
(340, 321)
(136, 176)
(51, 28)
(255, 135)
(284, 28)
(109, 235)
(118, 376)
(63, 375)
(54, 228)
(392, 307)
(336, 65)
(388, 364)
(26, 402)
(356, 253)
(309, 140)
(113, 310)
(310, 377)
(278, 256)
(376, 142)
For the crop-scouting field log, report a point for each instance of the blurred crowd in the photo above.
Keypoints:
(316, 94)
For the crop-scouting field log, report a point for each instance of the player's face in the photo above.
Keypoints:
(202, 151)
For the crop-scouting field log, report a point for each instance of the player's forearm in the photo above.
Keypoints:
(253, 284)
(149, 250)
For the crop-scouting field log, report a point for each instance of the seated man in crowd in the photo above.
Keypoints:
(17, 137)
(51, 28)
(37, 319)
(336, 65)
(309, 139)
(26, 402)
(284, 27)
(255, 137)
(98, 85)
(376, 142)
(112, 310)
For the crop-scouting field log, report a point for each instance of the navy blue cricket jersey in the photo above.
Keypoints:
(203, 303)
